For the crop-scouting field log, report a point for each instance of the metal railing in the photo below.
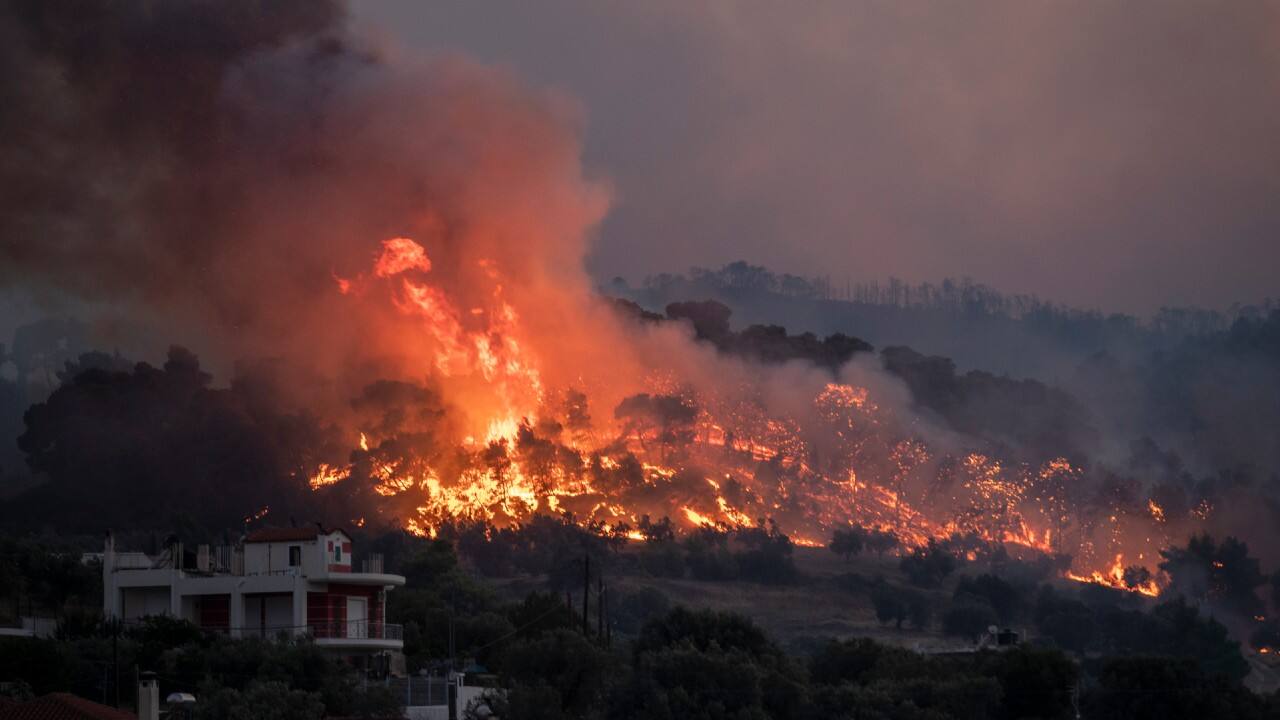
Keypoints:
(350, 630)
(356, 630)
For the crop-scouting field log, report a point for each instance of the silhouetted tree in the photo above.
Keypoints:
(1220, 573)
(847, 543)
(928, 566)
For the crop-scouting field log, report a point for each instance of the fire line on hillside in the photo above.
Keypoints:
(704, 457)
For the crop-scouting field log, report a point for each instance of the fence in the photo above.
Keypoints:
(357, 630)
(420, 691)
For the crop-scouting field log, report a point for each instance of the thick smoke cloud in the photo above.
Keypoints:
(119, 130)
(1096, 153)
(394, 248)
(211, 168)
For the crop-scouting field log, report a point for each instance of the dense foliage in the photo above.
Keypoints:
(1101, 652)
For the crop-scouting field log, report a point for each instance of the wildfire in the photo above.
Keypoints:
(697, 518)
(1114, 577)
(400, 255)
(705, 456)
(327, 474)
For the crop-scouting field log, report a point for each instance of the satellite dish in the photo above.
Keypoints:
(181, 698)
(993, 629)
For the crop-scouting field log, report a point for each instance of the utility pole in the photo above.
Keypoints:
(600, 607)
(115, 656)
(450, 688)
(453, 610)
(586, 592)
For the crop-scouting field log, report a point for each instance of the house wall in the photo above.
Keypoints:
(327, 611)
(263, 601)
(263, 558)
(318, 556)
(335, 561)
(139, 602)
(375, 596)
(213, 611)
(268, 615)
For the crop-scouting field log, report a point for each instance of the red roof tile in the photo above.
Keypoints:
(62, 706)
(282, 534)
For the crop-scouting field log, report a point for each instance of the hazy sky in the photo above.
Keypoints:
(1112, 155)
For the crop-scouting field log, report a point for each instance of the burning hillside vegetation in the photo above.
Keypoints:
(733, 443)
(385, 256)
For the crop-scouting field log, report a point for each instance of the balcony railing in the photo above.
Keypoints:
(357, 630)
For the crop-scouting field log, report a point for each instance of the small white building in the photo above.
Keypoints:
(291, 581)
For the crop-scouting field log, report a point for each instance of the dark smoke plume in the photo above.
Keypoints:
(208, 168)
(124, 134)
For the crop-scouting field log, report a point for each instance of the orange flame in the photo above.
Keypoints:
(709, 458)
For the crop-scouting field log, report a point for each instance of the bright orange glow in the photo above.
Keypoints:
(1114, 578)
(524, 437)
(327, 474)
(697, 518)
(401, 255)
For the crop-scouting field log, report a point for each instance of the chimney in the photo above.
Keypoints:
(148, 697)
(109, 595)
(109, 553)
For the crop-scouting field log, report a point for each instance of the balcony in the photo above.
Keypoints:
(358, 634)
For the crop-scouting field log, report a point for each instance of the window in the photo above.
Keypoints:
(295, 555)
(337, 552)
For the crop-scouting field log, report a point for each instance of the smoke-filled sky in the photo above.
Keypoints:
(387, 209)
(1121, 156)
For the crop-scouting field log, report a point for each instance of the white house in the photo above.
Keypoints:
(296, 581)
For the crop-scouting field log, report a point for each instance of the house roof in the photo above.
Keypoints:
(266, 535)
(62, 706)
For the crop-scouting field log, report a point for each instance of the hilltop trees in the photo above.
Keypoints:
(847, 543)
(1004, 599)
(862, 678)
(1161, 688)
(762, 343)
(1223, 573)
(708, 664)
(107, 439)
(898, 605)
(668, 662)
(559, 673)
(881, 541)
(968, 617)
(668, 419)
(45, 580)
(1045, 420)
(757, 554)
(851, 541)
(928, 566)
